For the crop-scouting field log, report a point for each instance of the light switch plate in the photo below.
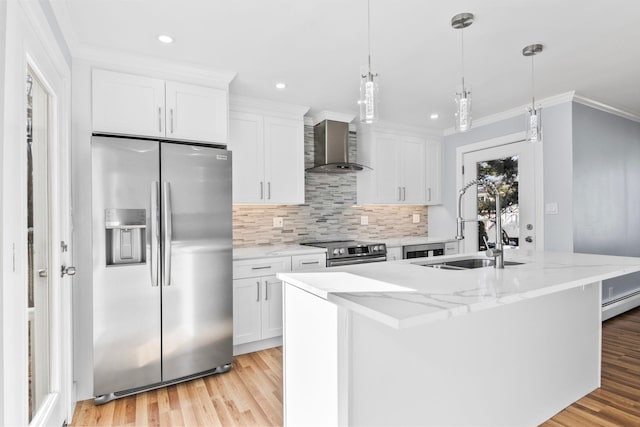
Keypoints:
(551, 208)
(278, 222)
(364, 220)
(416, 218)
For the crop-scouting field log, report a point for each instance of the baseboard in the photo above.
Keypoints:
(251, 347)
(619, 306)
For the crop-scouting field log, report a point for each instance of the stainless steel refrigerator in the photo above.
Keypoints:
(162, 263)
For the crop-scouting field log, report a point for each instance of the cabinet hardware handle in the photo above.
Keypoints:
(171, 113)
(399, 194)
(309, 262)
(257, 291)
(261, 190)
(159, 119)
(266, 290)
(261, 268)
(404, 193)
(269, 190)
(429, 194)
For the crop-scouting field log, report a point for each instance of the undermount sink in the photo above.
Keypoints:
(463, 264)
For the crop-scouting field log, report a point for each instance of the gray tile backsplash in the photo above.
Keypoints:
(329, 212)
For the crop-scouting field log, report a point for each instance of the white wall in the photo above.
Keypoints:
(3, 40)
(557, 173)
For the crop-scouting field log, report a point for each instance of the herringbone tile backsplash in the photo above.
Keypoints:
(329, 212)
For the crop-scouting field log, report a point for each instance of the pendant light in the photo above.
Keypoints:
(534, 121)
(368, 86)
(463, 98)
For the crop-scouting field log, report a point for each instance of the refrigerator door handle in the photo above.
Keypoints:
(166, 218)
(154, 233)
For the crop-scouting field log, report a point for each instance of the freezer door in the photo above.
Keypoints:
(126, 295)
(197, 259)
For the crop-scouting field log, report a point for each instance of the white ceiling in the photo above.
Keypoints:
(318, 47)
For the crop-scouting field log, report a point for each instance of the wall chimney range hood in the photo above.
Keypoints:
(331, 149)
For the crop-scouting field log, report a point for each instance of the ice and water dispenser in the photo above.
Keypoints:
(125, 236)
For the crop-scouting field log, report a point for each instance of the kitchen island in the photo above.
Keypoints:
(398, 343)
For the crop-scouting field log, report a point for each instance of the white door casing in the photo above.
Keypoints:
(31, 44)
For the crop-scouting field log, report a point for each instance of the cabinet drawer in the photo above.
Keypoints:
(260, 267)
(308, 262)
(451, 248)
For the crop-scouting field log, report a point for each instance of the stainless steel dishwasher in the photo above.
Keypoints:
(423, 250)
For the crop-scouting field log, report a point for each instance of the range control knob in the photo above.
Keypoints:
(336, 251)
(375, 248)
(341, 251)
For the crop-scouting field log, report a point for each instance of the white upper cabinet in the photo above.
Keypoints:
(128, 104)
(434, 172)
(196, 113)
(399, 170)
(268, 153)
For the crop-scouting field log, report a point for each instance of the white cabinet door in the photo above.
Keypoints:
(272, 308)
(387, 178)
(247, 315)
(284, 160)
(246, 141)
(394, 253)
(196, 113)
(128, 104)
(412, 170)
(433, 173)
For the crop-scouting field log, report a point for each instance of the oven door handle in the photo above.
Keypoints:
(342, 262)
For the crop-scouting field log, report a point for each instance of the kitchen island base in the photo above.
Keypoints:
(515, 364)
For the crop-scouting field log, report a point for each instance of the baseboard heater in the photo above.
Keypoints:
(619, 305)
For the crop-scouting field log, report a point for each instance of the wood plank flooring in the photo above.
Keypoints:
(251, 393)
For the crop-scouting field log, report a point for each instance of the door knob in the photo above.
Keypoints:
(528, 239)
(42, 272)
(69, 271)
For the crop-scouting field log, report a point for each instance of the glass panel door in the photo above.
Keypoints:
(510, 168)
(38, 233)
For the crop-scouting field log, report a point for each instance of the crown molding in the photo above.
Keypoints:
(153, 67)
(332, 115)
(391, 127)
(549, 102)
(606, 108)
(517, 111)
(247, 104)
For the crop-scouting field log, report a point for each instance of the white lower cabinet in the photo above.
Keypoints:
(257, 297)
(257, 309)
(394, 253)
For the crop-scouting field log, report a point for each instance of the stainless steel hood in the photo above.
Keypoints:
(331, 149)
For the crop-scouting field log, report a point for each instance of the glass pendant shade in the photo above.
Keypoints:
(463, 110)
(368, 98)
(534, 131)
(463, 96)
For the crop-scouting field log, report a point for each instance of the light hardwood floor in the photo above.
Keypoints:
(251, 393)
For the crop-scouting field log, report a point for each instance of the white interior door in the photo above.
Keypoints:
(511, 168)
(48, 227)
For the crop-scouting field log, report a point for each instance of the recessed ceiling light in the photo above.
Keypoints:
(281, 85)
(434, 116)
(164, 38)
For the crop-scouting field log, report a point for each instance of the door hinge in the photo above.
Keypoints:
(462, 169)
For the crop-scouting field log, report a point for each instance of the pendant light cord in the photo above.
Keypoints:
(462, 56)
(533, 97)
(369, 32)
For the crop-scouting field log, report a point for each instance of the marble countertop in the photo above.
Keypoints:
(274, 251)
(402, 294)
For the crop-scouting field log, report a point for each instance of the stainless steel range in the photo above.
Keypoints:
(348, 252)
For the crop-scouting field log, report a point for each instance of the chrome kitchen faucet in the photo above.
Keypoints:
(496, 253)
